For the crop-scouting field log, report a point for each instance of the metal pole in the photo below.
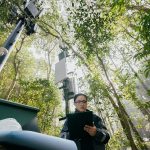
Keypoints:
(10, 42)
(65, 89)
(66, 106)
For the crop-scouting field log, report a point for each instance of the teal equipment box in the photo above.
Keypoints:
(25, 115)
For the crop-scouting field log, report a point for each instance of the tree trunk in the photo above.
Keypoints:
(16, 68)
(137, 102)
(120, 109)
(124, 123)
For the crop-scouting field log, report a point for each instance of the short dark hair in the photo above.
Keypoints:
(80, 94)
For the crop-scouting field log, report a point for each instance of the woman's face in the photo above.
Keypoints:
(81, 103)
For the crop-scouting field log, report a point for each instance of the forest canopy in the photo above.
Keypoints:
(108, 40)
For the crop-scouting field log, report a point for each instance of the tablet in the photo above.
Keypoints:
(76, 123)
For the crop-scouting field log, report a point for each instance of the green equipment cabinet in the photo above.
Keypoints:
(25, 115)
(28, 140)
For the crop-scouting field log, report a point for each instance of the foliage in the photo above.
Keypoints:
(95, 24)
(43, 94)
(118, 141)
(90, 26)
(23, 86)
(137, 16)
(94, 28)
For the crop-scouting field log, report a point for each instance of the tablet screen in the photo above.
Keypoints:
(76, 123)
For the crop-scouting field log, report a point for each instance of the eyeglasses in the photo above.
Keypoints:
(79, 102)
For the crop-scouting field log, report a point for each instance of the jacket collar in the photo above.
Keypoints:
(76, 111)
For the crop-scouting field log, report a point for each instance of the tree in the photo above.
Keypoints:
(93, 31)
(18, 81)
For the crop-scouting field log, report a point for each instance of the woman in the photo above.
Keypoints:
(98, 135)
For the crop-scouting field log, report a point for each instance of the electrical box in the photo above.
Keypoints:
(31, 10)
(25, 115)
(69, 88)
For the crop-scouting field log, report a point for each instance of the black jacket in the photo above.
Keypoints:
(97, 142)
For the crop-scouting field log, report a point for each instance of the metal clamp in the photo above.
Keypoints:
(3, 51)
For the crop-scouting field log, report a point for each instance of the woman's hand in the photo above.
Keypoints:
(90, 129)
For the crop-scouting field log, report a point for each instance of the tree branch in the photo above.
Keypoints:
(139, 8)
